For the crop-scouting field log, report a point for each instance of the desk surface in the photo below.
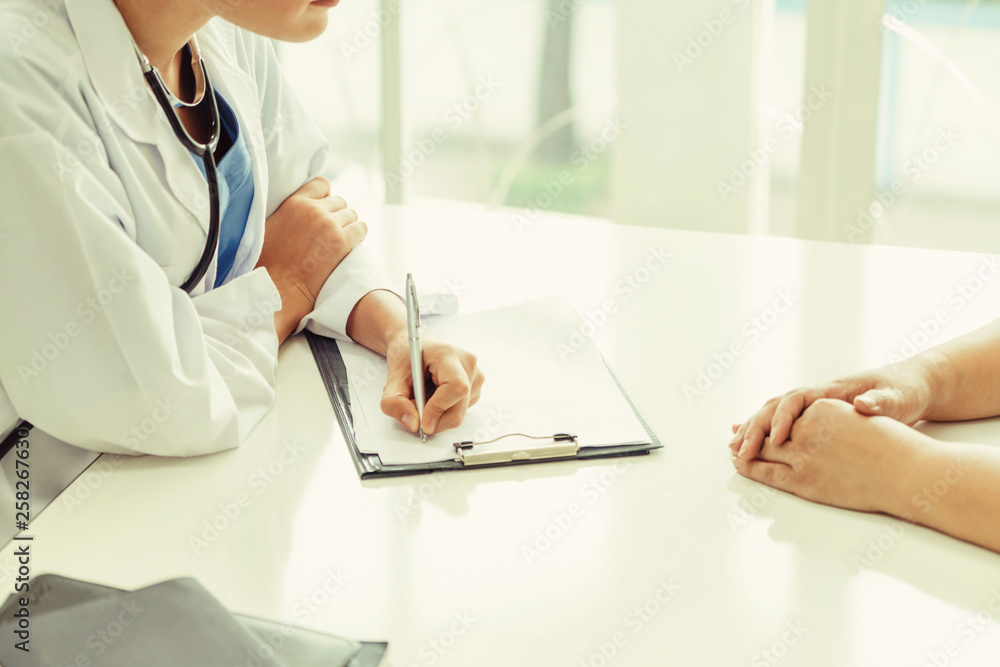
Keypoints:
(666, 559)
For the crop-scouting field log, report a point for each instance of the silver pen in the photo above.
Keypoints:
(416, 350)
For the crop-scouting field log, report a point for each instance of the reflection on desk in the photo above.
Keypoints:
(661, 558)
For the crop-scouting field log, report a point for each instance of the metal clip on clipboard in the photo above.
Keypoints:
(521, 448)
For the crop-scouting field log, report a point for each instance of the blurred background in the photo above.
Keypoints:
(846, 121)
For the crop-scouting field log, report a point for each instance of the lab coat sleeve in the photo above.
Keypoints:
(98, 349)
(296, 153)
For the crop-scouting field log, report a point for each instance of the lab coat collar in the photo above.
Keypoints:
(113, 67)
(114, 70)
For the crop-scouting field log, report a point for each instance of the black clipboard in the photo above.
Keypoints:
(334, 373)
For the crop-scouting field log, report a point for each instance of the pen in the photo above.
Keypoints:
(416, 350)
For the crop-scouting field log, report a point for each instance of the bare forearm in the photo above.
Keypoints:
(378, 319)
(294, 306)
(954, 488)
(967, 375)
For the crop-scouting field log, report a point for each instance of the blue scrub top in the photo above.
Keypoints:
(236, 190)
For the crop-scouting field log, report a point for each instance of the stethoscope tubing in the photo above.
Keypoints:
(206, 152)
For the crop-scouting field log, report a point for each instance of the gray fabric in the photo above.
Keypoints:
(169, 624)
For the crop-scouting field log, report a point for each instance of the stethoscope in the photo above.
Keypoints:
(206, 151)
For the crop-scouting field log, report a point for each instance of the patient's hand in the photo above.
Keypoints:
(836, 456)
(906, 391)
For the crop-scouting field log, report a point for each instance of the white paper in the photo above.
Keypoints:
(543, 376)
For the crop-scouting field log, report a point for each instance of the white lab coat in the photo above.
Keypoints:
(104, 213)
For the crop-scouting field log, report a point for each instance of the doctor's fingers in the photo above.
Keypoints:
(451, 398)
(345, 216)
(439, 418)
(344, 232)
(470, 364)
(333, 203)
(317, 188)
(396, 401)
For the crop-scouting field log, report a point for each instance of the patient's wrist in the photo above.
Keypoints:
(940, 376)
(916, 462)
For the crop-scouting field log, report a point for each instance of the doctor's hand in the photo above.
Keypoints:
(304, 241)
(905, 391)
(455, 381)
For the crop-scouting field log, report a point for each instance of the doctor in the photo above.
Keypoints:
(106, 212)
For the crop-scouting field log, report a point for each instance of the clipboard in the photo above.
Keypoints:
(508, 449)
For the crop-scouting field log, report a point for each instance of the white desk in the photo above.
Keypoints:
(414, 565)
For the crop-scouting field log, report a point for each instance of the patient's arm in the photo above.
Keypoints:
(955, 488)
(836, 456)
(969, 380)
(959, 379)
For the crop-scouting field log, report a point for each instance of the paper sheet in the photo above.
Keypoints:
(543, 376)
